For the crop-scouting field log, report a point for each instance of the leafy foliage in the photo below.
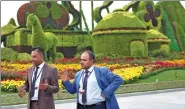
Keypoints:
(8, 54)
(59, 55)
(164, 51)
(24, 57)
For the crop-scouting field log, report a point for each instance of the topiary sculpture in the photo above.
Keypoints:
(46, 40)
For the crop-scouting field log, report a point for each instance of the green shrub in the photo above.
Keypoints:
(59, 55)
(8, 54)
(137, 49)
(24, 57)
(163, 51)
(77, 55)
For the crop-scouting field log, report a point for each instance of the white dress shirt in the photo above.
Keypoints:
(93, 94)
(37, 83)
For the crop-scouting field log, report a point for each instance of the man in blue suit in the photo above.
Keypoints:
(95, 86)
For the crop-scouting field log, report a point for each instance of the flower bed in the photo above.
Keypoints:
(13, 74)
(11, 85)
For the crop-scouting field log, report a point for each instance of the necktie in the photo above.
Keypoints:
(32, 92)
(84, 99)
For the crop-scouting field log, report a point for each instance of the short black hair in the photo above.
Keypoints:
(91, 55)
(39, 50)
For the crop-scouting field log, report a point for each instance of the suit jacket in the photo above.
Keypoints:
(107, 81)
(45, 98)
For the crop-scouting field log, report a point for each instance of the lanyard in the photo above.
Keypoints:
(37, 76)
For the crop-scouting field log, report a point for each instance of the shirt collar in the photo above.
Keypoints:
(41, 65)
(90, 69)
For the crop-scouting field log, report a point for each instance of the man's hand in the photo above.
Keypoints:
(21, 92)
(64, 76)
(44, 86)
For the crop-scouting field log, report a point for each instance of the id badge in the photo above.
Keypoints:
(82, 91)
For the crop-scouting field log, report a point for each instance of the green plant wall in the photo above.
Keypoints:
(175, 11)
(73, 39)
(98, 10)
(155, 40)
(65, 38)
(137, 49)
(141, 12)
(20, 37)
(118, 44)
(180, 35)
(120, 20)
(163, 51)
(141, 6)
(170, 33)
(8, 54)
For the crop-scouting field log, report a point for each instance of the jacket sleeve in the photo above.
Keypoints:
(26, 84)
(114, 82)
(53, 86)
(70, 87)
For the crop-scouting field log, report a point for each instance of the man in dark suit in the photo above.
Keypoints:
(95, 86)
(41, 82)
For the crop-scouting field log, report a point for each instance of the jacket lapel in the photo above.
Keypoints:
(43, 74)
(78, 79)
(30, 73)
(98, 76)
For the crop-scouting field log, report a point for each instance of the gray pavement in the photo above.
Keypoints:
(165, 99)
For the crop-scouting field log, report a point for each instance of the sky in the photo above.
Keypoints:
(7, 12)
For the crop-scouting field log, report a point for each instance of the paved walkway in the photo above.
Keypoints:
(166, 99)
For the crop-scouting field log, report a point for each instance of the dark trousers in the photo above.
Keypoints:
(34, 105)
(101, 105)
